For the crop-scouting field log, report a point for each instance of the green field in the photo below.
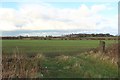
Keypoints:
(64, 58)
(50, 47)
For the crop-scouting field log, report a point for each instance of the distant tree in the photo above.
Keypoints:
(20, 37)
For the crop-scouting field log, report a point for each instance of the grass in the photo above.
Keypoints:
(62, 58)
(79, 66)
(50, 47)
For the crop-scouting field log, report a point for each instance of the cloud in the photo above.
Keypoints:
(45, 17)
(7, 19)
(98, 8)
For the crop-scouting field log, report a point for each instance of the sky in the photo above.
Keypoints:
(58, 17)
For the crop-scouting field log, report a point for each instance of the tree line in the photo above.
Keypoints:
(66, 37)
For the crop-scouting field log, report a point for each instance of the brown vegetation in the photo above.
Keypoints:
(111, 52)
(21, 67)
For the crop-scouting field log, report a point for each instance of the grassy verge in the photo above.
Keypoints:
(80, 66)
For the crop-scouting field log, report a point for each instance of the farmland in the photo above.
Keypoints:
(50, 46)
(64, 58)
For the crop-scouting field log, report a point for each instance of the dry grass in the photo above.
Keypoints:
(63, 58)
(111, 53)
(21, 66)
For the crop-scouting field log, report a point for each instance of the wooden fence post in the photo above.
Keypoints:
(102, 46)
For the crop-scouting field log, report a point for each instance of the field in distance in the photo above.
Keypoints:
(50, 47)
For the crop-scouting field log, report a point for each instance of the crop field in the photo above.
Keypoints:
(50, 47)
(61, 58)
